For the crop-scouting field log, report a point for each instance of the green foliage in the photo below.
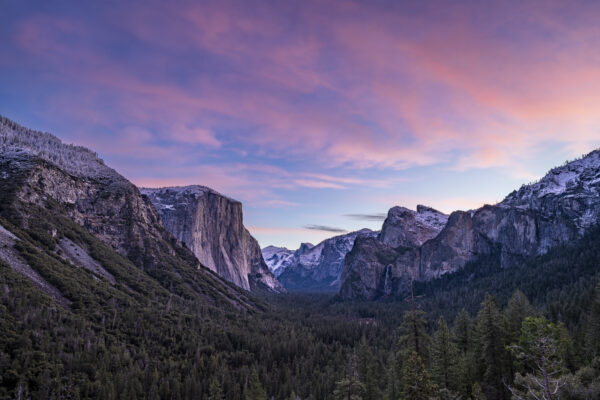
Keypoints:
(415, 379)
(413, 334)
(542, 348)
(477, 392)
(490, 348)
(444, 358)
(593, 328)
(173, 332)
(350, 387)
(255, 390)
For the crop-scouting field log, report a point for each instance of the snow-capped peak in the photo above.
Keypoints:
(574, 179)
(277, 258)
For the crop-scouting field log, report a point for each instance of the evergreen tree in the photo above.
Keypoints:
(255, 390)
(415, 379)
(366, 371)
(517, 309)
(541, 348)
(443, 357)
(349, 387)
(593, 337)
(462, 331)
(215, 390)
(491, 353)
(393, 386)
(465, 363)
(413, 334)
(477, 393)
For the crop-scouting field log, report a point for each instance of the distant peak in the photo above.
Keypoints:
(421, 209)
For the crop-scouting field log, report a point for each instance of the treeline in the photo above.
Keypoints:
(496, 354)
(139, 339)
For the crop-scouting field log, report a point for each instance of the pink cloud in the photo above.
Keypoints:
(398, 90)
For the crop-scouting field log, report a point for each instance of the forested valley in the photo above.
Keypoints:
(483, 333)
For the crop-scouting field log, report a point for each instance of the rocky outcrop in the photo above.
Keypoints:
(404, 227)
(277, 258)
(528, 222)
(41, 176)
(315, 268)
(97, 198)
(211, 226)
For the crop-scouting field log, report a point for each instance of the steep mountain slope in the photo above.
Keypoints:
(528, 222)
(211, 226)
(277, 258)
(53, 192)
(316, 268)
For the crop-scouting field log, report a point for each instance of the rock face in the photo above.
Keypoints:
(528, 222)
(40, 174)
(404, 227)
(211, 226)
(277, 258)
(314, 268)
(37, 167)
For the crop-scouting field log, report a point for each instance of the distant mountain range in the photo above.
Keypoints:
(556, 210)
(191, 240)
(313, 268)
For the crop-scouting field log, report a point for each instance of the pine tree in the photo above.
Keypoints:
(350, 387)
(541, 348)
(465, 364)
(215, 390)
(517, 309)
(393, 387)
(415, 379)
(462, 331)
(366, 371)
(477, 393)
(255, 390)
(413, 334)
(593, 338)
(491, 353)
(443, 357)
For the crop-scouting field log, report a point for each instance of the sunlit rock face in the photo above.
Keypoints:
(528, 222)
(211, 226)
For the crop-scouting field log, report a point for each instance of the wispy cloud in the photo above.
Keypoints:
(325, 228)
(318, 184)
(367, 217)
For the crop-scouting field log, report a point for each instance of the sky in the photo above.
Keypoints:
(318, 115)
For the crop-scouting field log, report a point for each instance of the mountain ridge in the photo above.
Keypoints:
(556, 209)
(314, 267)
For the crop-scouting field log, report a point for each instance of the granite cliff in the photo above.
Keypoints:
(49, 189)
(557, 209)
(211, 226)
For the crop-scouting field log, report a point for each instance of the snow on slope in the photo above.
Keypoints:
(577, 179)
(322, 262)
(76, 160)
(277, 258)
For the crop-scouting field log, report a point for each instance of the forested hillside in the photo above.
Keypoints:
(138, 341)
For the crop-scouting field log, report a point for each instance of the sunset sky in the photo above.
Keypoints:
(318, 115)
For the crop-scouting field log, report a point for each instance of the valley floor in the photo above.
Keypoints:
(454, 341)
